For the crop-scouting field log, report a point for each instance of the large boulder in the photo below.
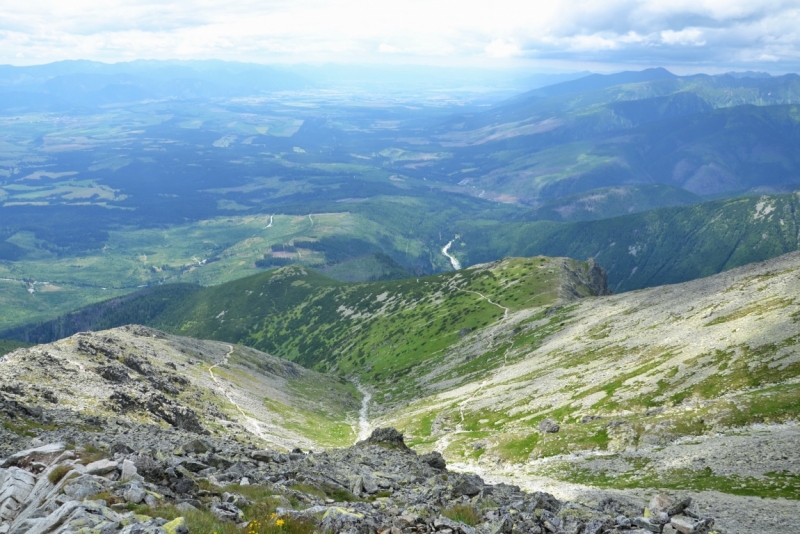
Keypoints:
(434, 459)
(469, 485)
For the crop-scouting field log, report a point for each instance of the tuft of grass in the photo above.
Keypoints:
(463, 513)
(58, 473)
(26, 428)
(91, 453)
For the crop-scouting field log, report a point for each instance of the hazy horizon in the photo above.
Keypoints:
(685, 37)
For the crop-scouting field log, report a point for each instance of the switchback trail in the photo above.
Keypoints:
(491, 344)
(487, 299)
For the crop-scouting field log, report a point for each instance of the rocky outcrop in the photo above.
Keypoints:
(138, 374)
(583, 280)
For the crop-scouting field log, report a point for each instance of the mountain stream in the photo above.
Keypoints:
(453, 261)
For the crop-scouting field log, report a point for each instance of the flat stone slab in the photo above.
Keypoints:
(35, 454)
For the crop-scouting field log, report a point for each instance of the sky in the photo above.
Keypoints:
(552, 36)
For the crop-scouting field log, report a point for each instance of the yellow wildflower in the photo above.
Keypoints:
(279, 522)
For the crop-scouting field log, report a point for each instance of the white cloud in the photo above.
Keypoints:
(611, 32)
(388, 49)
(502, 48)
(689, 36)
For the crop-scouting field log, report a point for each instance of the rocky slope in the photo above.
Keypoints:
(140, 375)
(377, 486)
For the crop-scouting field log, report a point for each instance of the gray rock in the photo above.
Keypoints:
(386, 436)
(669, 505)
(262, 456)
(338, 519)
(369, 484)
(444, 523)
(38, 454)
(121, 448)
(597, 526)
(688, 526)
(195, 446)
(645, 524)
(682, 525)
(357, 486)
(405, 521)
(226, 512)
(129, 471)
(235, 499)
(151, 501)
(134, 494)
(502, 526)
(469, 485)
(101, 467)
(589, 418)
(434, 459)
(184, 507)
(193, 465)
(85, 486)
(549, 426)
(15, 487)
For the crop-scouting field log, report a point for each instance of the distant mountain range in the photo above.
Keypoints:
(64, 85)
(709, 135)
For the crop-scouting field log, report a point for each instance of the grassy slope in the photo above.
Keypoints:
(379, 331)
(408, 229)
